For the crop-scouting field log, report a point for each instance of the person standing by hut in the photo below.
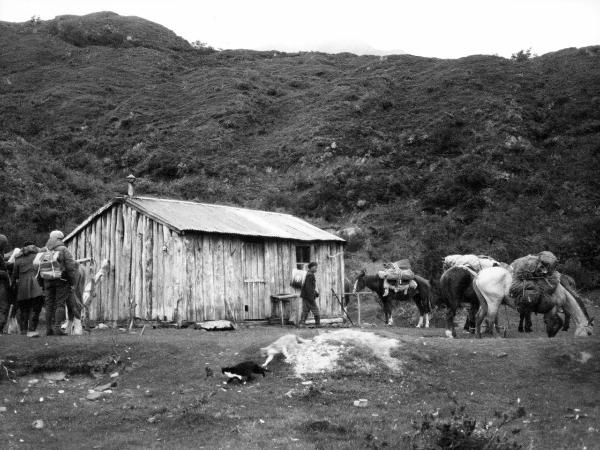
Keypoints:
(309, 296)
(58, 290)
(5, 293)
(29, 295)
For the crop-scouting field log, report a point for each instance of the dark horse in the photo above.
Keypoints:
(568, 282)
(456, 288)
(421, 295)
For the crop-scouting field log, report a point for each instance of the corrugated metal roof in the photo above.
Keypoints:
(191, 216)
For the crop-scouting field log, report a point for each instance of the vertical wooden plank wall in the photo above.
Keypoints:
(199, 294)
(189, 279)
(203, 273)
(115, 263)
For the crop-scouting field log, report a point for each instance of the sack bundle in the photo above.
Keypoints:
(534, 281)
(398, 270)
(298, 277)
(475, 262)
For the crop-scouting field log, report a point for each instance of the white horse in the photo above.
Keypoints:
(492, 286)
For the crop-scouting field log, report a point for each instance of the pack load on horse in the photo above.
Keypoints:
(397, 276)
(475, 262)
(534, 280)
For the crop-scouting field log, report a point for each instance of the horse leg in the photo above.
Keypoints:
(387, 310)
(450, 331)
(492, 320)
(481, 314)
(427, 320)
(528, 324)
(422, 312)
(521, 320)
(470, 322)
(567, 321)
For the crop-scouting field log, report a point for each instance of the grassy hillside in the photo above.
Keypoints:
(421, 157)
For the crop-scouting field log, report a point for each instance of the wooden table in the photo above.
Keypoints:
(277, 303)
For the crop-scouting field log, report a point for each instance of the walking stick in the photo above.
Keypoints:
(343, 307)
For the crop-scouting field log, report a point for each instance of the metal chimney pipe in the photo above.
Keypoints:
(130, 181)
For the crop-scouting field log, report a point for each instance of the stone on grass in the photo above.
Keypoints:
(215, 325)
(55, 376)
(38, 424)
(106, 386)
(93, 396)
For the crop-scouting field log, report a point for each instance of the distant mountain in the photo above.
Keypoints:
(342, 46)
(405, 156)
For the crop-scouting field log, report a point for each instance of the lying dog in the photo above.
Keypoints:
(284, 345)
(243, 371)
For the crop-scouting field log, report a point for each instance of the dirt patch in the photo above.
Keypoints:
(73, 360)
(345, 349)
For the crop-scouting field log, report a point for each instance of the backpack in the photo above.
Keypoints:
(298, 277)
(47, 265)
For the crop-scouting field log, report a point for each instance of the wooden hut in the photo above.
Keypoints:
(182, 260)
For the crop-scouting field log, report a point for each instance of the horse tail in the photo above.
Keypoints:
(425, 293)
(483, 300)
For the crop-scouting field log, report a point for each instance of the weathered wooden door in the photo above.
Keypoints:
(254, 281)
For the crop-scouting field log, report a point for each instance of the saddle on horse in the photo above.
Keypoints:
(397, 276)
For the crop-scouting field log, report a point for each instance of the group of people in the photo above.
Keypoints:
(29, 292)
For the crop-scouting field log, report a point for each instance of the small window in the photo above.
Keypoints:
(302, 256)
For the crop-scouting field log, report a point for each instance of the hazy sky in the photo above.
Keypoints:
(440, 28)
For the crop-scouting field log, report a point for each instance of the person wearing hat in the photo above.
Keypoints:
(28, 293)
(309, 295)
(58, 292)
(5, 292)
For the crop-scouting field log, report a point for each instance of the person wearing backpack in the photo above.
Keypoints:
(5, 292)
(58, 287)
(309, 294)
(28, 293)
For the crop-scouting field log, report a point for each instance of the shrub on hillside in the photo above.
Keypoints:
(522, 55)
(161, 163)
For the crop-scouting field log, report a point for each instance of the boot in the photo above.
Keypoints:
(317, 321)
(77, 329)
(303, 317)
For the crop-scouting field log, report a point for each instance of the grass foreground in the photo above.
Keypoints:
(527, 392)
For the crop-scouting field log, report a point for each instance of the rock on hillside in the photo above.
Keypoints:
(112, 30)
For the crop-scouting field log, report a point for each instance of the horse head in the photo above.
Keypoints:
(554, 324)
(359, 283)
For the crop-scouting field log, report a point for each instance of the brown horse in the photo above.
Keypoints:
(421, 295)
(456, 288)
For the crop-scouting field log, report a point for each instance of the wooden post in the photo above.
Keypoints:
(358, 307)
